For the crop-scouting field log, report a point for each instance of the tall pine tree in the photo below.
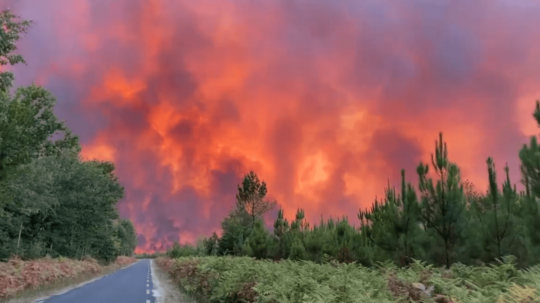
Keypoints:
(443, 203)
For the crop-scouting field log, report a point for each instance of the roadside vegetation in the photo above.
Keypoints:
(58, 215)
(244, 279)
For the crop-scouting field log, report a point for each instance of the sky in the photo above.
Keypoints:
(326, 101)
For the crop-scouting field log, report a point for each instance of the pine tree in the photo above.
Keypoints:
(443, 204)
(496, 214)
(394, 223)
(250, 201)
(281, 228)
(259, 241)
(530, 171)
(530, 160)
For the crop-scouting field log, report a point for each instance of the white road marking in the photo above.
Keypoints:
(147, 301)
(147, 292)
(146, 285)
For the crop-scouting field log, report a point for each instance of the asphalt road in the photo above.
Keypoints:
(129, 285)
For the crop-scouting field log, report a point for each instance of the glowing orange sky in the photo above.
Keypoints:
(324, 100)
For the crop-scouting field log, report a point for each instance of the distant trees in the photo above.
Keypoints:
(242, 220)
(51, 202)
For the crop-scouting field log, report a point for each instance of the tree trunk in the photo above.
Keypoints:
(19, 241)
(447, 255)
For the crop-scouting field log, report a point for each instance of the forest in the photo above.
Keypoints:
(52, 202)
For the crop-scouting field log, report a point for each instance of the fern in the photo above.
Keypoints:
(243, 279)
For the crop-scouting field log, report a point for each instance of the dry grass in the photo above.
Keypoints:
(20, 278)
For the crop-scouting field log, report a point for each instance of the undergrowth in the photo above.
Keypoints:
(243, 279)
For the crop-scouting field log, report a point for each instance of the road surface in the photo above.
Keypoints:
(129, 285)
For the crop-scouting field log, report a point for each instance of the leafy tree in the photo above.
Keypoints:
(11, 30)
(27, 123)
(68, 204)
(27, 127)
(443, 204)
(127, 236)
(51, 202)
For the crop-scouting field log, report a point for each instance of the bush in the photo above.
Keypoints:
(243, 279)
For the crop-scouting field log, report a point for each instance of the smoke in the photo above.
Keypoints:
(325, 100)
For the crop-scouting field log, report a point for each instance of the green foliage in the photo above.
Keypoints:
(178, 250)
(11, 30)
(68, 206)
(242, 279)
(259, 241)
(250, 201)
(443, 204)
(234, 233)
(530, 160)
(26, 126)
(51, 202)
(153, 255)
(127, 237)
(496, 219)
(393, 225)
(210, 245)
(239, 224)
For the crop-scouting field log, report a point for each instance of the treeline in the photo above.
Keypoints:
(153, 255)
(442, 220)
(51, 201)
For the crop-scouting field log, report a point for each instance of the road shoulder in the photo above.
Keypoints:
(165, 289)
(60, 287)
